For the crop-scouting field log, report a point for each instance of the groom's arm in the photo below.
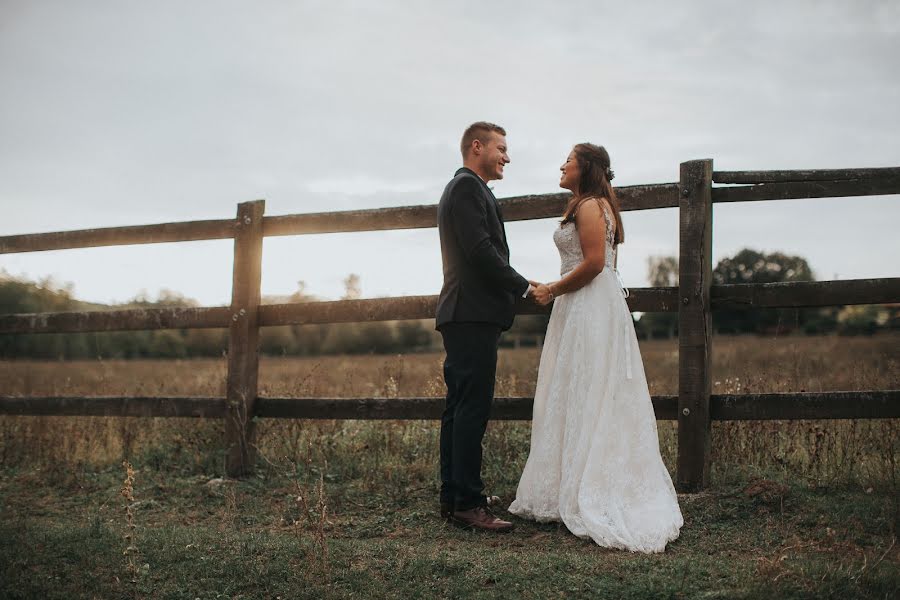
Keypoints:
(468, 214)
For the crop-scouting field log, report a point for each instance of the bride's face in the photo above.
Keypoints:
(570, 173)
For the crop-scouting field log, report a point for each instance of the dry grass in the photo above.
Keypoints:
(819, 450)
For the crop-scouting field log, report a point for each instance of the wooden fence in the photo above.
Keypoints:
(694, 299)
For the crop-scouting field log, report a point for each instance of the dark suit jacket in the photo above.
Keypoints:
(479, 285)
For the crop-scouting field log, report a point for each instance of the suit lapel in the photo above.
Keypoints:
(491, 200)
(499, 216)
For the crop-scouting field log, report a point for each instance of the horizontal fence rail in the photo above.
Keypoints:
(519, 208)
(423, 307)
(791, 185)
(663, 299)
(784, 176)
(117, 320)
(189, 231)
(301, 313)
(799, 294)
(867, 404)
(502, 409)
(874, 404)
(113, 406)
(770, 185)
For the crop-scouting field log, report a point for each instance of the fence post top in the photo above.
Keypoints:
(252, 204)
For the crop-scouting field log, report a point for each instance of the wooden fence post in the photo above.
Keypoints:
(694, 324)
(243, 340)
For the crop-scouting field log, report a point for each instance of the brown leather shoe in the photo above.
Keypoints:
(447, 508)
(480, 518)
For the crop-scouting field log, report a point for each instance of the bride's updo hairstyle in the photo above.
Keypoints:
(593, 164)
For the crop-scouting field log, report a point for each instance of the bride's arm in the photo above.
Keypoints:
(591, 224)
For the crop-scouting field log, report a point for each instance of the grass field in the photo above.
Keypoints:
(803, 509)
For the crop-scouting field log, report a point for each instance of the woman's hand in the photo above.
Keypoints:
(543, 295)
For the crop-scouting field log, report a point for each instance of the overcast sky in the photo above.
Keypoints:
(135, 112)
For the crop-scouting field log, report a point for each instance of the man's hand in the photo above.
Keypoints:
(542, 294)
(529, 293)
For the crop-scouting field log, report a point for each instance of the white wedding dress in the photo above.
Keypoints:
(594, 462)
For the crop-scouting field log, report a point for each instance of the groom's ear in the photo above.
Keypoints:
(477, 146)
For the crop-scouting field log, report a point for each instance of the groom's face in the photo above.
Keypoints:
(493, 157)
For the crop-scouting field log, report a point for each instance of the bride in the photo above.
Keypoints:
(594, 462)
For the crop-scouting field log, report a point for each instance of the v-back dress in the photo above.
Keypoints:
(594, 462)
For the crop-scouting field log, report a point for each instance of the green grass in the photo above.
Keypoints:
(63, 537)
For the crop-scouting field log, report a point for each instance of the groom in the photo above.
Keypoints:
(477, 302)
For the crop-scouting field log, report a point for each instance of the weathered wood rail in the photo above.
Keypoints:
(694, 407)
(723, 407)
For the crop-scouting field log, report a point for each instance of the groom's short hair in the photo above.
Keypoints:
(480, 130)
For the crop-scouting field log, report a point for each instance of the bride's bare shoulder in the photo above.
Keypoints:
(591, 208)
(596, 208)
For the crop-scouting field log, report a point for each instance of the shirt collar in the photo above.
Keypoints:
(470, 171)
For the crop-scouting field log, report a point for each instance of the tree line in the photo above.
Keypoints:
(19, 295)
(753, 266)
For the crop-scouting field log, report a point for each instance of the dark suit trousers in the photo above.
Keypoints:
(469, 371)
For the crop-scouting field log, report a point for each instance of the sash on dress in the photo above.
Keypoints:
(625, 293)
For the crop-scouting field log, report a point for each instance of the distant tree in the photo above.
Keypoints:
(166, 298)
(168, 343)
(415, 335)
(526, 330)
(863, 319)
(662, 271)
(301, 295)
(352, 287)
(207, 342)
(277, 341)
(21, 296)
(308, 339)
(752, 266)
(747, 266)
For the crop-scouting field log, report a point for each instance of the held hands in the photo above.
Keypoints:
(541, 293)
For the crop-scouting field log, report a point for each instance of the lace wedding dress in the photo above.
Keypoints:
(594, 462)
